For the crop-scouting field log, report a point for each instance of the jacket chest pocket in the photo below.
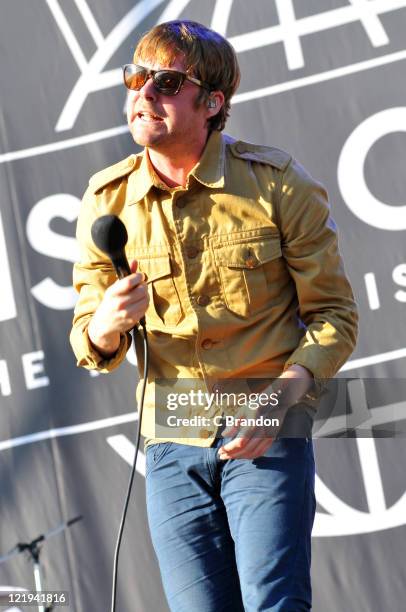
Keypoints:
(164, 303)
(245, 269)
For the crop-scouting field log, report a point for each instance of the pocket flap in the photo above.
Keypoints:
(154, 267)
(248, 254)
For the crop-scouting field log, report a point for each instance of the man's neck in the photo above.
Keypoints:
(174, 169)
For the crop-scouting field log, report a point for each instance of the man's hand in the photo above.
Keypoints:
(123, 305)
(252, 442)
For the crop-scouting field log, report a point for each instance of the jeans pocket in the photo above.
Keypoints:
(154, 454)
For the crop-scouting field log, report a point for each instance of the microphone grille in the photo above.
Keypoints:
(109, 234)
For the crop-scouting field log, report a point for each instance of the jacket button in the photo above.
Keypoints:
(205, 433)
(203, 300)
(207, 343)
(181, 203)
(251, 261)
(192, 252)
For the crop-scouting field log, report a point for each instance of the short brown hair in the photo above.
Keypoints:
(206, 55)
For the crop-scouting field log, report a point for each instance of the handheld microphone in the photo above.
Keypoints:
(110, 236)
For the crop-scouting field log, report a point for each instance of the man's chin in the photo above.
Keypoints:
(146, 137)
(145, 140)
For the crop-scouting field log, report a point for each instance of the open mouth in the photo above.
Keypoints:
(148, 117)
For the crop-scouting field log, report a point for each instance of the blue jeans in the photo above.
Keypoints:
(232, 535)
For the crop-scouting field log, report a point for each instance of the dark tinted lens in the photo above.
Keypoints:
(134, 76)
(168, 81)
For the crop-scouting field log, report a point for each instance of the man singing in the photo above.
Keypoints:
(236, 265)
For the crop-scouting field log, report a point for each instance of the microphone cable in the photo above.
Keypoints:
(135, 333)
(110, 235)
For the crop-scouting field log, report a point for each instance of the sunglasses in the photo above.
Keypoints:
(168, 82)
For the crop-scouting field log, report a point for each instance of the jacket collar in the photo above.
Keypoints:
(140, 180)
(209, 170)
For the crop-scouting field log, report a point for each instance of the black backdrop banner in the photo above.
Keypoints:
(322, 79)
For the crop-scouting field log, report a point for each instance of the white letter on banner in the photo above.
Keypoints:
(32, 368)
(351, 180)
(399, 276)
(5, 386)
(47, 242)
(8, 308)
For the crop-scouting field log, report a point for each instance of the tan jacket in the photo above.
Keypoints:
(243, 269)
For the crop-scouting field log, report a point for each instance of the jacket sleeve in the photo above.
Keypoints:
(310, 248)
(92, 274)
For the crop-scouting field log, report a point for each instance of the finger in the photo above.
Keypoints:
(137, 310)
(253, 449)
(261, 449)
(127, 318)
(127, 284)
(236, 445)
(134, 266)
(131, 315)
(250, 436)
(129, 300)
(254, 454)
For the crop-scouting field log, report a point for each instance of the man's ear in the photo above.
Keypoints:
(215, 102)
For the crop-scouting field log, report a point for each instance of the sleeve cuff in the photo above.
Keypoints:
(314, 359)
(93, 360)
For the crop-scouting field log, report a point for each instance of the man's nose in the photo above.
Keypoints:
(148, 90)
